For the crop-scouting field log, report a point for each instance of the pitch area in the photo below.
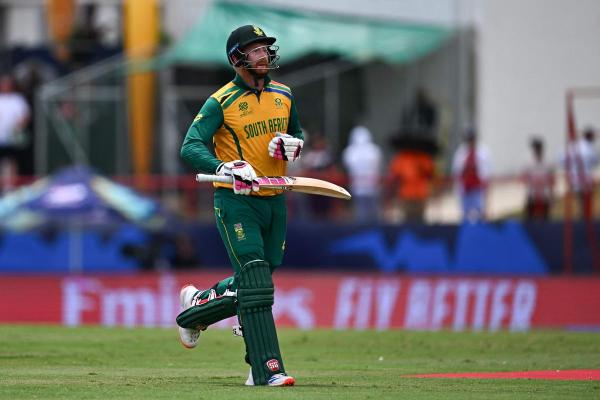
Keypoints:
(117, 363)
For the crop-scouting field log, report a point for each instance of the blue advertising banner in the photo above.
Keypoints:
(507, 248)
(501, 248)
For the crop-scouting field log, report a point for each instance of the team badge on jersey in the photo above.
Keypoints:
(278, 102)
(244, 109)
(239, 231)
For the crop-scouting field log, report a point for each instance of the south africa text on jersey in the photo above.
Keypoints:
(266, 126)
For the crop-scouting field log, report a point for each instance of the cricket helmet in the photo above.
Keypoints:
(245, 35)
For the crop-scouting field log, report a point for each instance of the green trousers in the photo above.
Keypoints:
(253, 230)
(251, 227)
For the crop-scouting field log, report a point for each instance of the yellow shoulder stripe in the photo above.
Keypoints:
(224, 91)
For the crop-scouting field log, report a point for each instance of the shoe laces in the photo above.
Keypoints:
(275, 377)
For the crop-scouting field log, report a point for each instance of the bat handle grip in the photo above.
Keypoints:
(214, 178)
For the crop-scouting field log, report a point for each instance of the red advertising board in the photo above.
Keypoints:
(309, 300)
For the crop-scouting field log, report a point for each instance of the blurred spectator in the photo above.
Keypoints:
(85, 39)
(149, 256)
(14, 116)
(317, 158)
(421, 118)
(318, 162)
(471, 172)
(363, 161)
(184, 253)
(579, 161)
(297, 203)
(539, 180)
(410, 175)
(164, 250)
(30, 74)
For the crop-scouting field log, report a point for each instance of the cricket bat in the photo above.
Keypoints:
(290, 183)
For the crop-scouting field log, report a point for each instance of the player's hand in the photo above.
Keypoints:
(285, 147)
(244, 177)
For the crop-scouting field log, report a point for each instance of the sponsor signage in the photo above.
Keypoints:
(325, 300)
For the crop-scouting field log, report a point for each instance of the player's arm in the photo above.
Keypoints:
(294, 128)
(288, 146)
(195, 149)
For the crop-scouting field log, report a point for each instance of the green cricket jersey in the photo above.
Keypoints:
(241, 122)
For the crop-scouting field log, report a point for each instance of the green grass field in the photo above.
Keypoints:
(44, 362)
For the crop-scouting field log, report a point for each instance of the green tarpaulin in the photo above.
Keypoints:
(302, 32)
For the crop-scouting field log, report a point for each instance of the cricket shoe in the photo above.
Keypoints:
(274, 380)
(281, 380)
(189, 296)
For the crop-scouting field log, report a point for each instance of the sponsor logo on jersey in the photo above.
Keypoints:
(198, 117)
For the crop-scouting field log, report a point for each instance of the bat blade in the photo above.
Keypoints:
(305, 185)
(290, 183)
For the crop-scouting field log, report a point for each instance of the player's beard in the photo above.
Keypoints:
(260, 70)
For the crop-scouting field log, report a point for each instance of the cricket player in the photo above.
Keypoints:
(253, 126)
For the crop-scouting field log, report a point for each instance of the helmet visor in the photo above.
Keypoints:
(252, 57)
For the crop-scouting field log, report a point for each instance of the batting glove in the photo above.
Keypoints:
(285, 147)
(244, 177)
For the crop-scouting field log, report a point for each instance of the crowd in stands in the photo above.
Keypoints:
(395, 190)
(398, 190)
(23, 71)
(387, 186)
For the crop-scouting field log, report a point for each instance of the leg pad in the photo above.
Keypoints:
(208, 313)
(255, 300)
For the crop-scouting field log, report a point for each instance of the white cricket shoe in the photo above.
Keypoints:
(281, 380)
(187, 298)
(189, 337)
(275, 380)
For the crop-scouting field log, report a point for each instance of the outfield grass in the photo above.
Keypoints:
(100, 363)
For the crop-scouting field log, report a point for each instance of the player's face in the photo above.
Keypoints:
(257, 55)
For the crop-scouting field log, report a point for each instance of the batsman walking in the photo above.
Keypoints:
(253, 126)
